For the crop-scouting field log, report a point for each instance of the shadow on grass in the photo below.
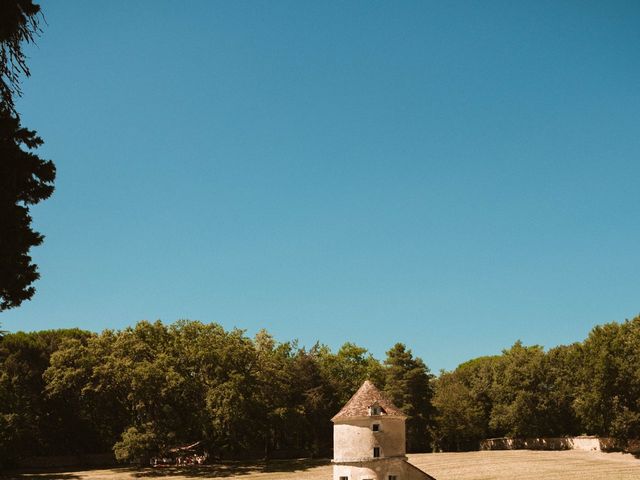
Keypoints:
(230, 469)
(39, 476)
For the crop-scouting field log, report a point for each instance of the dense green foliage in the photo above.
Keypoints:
(591, 387)
(30, 421)
(144, 389)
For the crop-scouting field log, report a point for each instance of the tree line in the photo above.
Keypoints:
(591, 387)
(144, 389)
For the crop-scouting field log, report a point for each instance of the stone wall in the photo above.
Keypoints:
(373, 470)
(586, 443)
(379, 470)
(354, 441)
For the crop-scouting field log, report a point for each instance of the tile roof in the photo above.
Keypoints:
(367, 395)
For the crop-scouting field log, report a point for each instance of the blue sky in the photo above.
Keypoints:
(452, 175)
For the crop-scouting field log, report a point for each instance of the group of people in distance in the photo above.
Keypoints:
(181, 460)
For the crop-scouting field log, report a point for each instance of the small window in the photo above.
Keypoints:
(375, 410)
(376, 452)
(375, 427)
(344, 478)
(393, 477)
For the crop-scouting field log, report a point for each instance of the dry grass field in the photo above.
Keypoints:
(493, 465)
(529, 465)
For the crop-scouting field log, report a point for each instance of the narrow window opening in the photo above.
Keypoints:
(375, 427)
(376, 452)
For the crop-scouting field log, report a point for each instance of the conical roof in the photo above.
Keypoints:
(366, 396)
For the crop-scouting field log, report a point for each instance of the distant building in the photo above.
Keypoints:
(369, 439)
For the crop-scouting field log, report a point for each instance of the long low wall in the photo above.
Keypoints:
(586, 443)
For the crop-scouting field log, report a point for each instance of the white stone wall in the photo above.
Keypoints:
(354, 441)
(374, 470)
(592, 444)
(586, 443)
(379, 470)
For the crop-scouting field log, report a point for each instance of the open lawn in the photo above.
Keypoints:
(492, 465)
(528, 464)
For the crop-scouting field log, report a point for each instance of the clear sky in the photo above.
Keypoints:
(455, 175)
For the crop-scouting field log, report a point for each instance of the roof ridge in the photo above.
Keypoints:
(367, 395)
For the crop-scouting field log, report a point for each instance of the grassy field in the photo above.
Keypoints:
(494, 465)
(529, 465)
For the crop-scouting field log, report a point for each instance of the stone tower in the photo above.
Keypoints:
(369, 439)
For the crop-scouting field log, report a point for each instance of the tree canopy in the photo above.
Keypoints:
(25, 178)
(147, 388)
(591, 387)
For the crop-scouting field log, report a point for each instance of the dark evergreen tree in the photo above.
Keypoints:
(408, 383)
(25, 178)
